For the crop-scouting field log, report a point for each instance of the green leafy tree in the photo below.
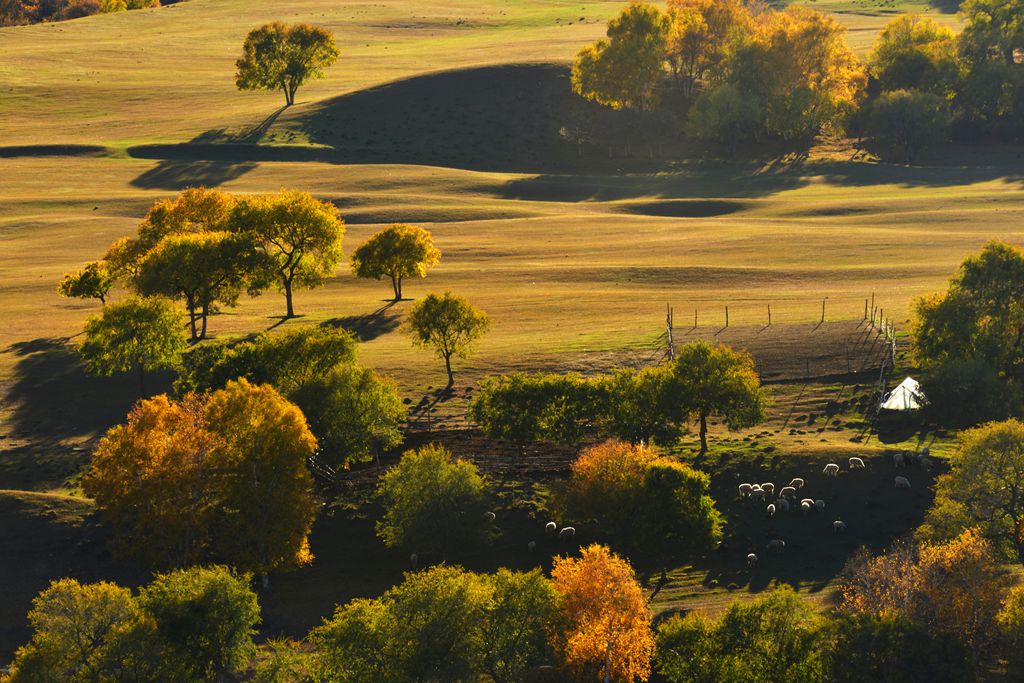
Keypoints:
(94, 281)
(355, 413)
(915, 53)
(299, 236)
(724, 116)
(984, 489)
(142, 333)
(86, 633)
(521, 614)
(433, 503)
(774, 638)
(909, 121)
(281, 57)
(993, 32)
(1011, 628)
(449, 325)
(206, 618)
(625, 70)
(716, 380)
(398, 251)
(638, 406)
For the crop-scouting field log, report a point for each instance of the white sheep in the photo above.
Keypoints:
(751, 560)
(550, 528)
(745, 490)
(783, 504)
(831, 470)
(838, 526)
(489, 517)
(531, 546)
(805, 507)
(776, 545)
(809, 501)
(902, 483)
(771, 510)
(768, 488)
(787, 492)
(567, 532)
(797, 483)
(414, 559)
(819, 504)
(897, 459)
(856, 464)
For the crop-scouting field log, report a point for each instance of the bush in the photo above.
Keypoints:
(433, 503)
(1011, 629)
(630, 494)
(908, 121)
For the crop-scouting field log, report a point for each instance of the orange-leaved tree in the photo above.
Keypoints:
(608, 622)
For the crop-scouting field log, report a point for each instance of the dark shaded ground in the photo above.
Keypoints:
(53, 151)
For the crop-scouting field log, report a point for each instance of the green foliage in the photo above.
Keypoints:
(354, 412)
(282, 660)
(916, 53)
(433, 503)
(716, 380)
(1011, 627)
(206, 618)
(277, 56)
(774, 638)
(724, 116)
(984, 489)
(868, 648)
(909, 121)
(92, 282)
(398, 251)
(143, 333)
(964, 393)
(639, 406)
(449, 325)
(521, 613)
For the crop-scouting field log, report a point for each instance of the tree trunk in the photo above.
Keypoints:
(288, 299)
(703, 434)
(398, 294)
(192, 320)
(448, 369)
(206, 313)
(396, 288)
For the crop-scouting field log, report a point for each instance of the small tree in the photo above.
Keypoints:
(206, 618)
(354, 412)
(143, 333)
(281, 57)
(299, 236)
(94, 281)
(398, 252)
(715, 380)
(608, 632)
(449, 325)
(433, 503)
(639, 406)
(522, 610)
(909, 121)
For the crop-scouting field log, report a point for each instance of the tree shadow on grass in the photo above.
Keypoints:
(369, 326)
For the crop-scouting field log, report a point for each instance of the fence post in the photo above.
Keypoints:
(865, 310)
(727, 316)
(769, 315)
(823, 309)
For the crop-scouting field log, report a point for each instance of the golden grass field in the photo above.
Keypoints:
(574, 261)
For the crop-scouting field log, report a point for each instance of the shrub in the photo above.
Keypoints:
(908, 121)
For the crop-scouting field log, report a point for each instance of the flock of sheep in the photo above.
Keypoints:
(787, 499)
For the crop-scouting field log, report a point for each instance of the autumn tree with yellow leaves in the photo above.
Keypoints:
(608, 622)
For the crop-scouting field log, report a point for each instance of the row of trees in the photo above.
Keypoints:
(205, 247)
(652, 404)
(17, 12)
(730, 72)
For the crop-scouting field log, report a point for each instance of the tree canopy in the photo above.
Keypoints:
(915, 53)
(281, 57)
(93, 281)
(449, 325)
(909, 121)
(397, 252)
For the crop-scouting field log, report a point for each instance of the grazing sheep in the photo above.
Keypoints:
(414, 559)
(751, 560)
(768, 488)
(897, 459)
(787, 492)
(809, 501)
(550, 528)
(838, 527)
(805, 507)
(771, 510)
(902, 483)
(776, 545)
(489, 517)
(797, 483)
(567, 532)
(757, 494)
(745, 490)
(831, 470)
(856, 464)
(783, 504)
(819, 504)
(531, 546)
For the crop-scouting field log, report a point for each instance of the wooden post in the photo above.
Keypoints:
(769, 315)
(823, 310)
(865, 310)
(881, 318)
(668, 328)
(695, 318)
(727, 316)
(872, 301)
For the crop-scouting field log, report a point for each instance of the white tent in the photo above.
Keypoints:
(907, 396)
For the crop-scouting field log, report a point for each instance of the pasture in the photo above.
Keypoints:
(446, 116)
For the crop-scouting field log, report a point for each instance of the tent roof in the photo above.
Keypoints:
(907, 396)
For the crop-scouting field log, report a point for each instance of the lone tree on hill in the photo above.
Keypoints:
(398, 251)
(146, 333)
(91, 282)
(716, 380)
(299, 236)
(277, 56)
(448, 324)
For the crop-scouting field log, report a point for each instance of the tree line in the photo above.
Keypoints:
(18, 12)
(726, 72)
